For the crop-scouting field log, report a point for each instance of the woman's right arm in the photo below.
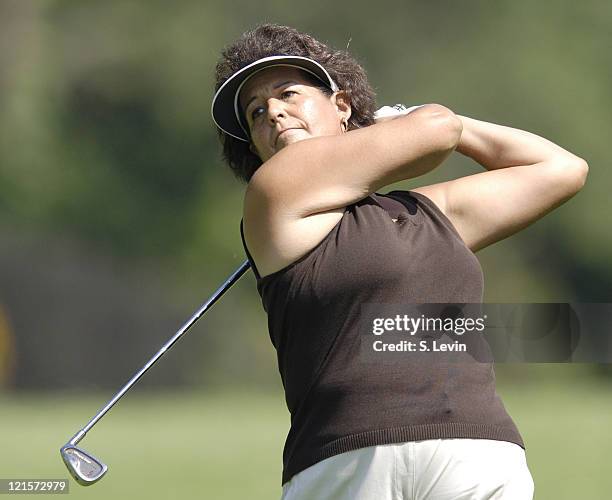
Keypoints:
(296, 197)
(327, 173)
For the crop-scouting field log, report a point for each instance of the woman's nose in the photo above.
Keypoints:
(276, 110)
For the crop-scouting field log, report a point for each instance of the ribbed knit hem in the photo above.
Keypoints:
(450, 430)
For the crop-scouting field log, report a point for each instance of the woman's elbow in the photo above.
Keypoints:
(445, 125)
(578, 170)
(574, 171)
(583, 171)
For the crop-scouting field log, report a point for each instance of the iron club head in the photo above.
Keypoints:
(87, 469)
(83, 467)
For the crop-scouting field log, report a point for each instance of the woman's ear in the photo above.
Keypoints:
(343, 104)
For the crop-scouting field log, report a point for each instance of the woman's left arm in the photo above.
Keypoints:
(527, 177)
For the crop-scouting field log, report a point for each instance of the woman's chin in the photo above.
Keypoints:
(291, 136)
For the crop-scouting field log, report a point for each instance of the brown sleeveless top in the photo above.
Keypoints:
(337, 401)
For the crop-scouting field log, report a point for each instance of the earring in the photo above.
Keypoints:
(344, 124)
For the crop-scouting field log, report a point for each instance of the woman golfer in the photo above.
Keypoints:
(297, 122)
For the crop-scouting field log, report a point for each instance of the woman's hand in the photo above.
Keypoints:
(387, 113)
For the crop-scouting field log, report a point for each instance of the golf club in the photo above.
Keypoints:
(84, 467)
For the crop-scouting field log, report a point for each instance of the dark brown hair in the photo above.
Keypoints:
(270, 40)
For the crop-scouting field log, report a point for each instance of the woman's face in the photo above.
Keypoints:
(282, 106)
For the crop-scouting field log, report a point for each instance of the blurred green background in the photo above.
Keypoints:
(118, 218)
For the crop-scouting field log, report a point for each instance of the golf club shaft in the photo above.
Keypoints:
(244, 267)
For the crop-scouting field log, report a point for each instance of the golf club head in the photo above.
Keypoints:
(83, 467)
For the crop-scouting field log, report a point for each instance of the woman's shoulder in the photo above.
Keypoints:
(274, 243)
(431, 201)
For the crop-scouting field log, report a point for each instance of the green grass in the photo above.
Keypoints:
(229, 445)
(566, 423)
(222, 446)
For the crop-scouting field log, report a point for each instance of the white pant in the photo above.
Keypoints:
(435, 469)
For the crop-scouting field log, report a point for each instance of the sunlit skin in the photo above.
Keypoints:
(282, 107)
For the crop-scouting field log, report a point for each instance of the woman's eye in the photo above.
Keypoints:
(256, 112)
(259, 110)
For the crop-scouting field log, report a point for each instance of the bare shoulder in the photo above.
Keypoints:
(439, 195)
(276, 239)
(436, 193)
